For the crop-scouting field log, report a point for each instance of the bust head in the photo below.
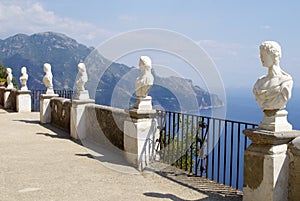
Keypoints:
(145, 63)
(8, 70)
(47, 67)
(270, 50)
(23, 70)
(81, 67)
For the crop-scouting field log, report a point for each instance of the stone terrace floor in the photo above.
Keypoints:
(41, 163)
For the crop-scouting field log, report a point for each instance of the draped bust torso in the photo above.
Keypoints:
(273, 93)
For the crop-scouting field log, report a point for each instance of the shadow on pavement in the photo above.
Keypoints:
(28, 121)
(176, 198)
(54, 135)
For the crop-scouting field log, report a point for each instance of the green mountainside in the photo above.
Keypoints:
(64, 54)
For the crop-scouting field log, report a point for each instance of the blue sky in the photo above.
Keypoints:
(229, 31)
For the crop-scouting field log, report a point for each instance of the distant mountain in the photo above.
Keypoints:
(64, 54)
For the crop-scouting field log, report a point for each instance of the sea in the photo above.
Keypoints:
(240, 105)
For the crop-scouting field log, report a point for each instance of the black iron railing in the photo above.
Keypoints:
(35, 97)
(204, 146)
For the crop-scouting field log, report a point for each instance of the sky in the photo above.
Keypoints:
(230, 31)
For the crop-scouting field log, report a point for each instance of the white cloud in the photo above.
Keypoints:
(31, 17)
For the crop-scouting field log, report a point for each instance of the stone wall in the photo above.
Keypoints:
(294, 170)
(107, 122)
(2, 89)
(60, 113)
(13, 99)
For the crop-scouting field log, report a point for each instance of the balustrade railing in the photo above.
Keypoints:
(204, 146)
(35, 97)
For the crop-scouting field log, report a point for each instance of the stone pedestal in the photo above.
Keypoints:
(140, 136)
(143, 104)
(45, 110)
(7, 98)
(266, 165)
(83, 95)
(23, 102)
(275, 120)
(78, 118)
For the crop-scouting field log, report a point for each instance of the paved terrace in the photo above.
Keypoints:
(41, 163)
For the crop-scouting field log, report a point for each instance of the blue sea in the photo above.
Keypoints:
(242, 106)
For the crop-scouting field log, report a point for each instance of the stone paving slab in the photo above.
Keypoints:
(42, 163)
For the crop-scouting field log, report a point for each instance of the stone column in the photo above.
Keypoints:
(7, 101)
(23, 102)
(140, 134)
(45, 110)
(294, 174)
(78, 118)
(266, 165)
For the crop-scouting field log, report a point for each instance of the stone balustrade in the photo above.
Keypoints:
(108, 121)
(2, 89)
(15, 100)
(60, 113)
(294, 170)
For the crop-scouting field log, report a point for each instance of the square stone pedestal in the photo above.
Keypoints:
(140, 136)
(23, 102)
(45, 109)
(275, 120)
(82, 95)
(266, 165)
(78, 118)
(7, 98)
(143, 104)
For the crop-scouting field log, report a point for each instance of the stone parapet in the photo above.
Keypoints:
(2, 89)
(7, 98)
(294, 171)
(45, 109)
(266, 165)
(107, 120)
(60, 113)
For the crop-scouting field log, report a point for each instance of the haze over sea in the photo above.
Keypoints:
(242, 106)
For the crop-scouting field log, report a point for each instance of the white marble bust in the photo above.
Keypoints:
(47, 79)
(272, 91)
(9, 79)
(83, 78)
(23, 79)
(145, 81)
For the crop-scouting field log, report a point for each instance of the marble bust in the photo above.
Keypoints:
(23, 79)
(9, 78)
(47, 79)
(273, 90)
(145, 81)
(83, 78)
(143, 85)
